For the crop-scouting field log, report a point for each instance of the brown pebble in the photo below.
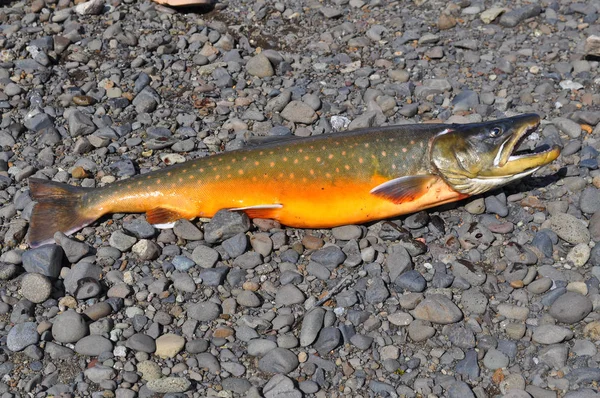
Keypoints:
(37, 5)
(533, 202)
(517, 284)
(252, 286)
(68, 302)
(83, 100)
(446, 22)
(98, 310)
(223, 332)
(265, 224)
(79, 172)
(312, 242)
(43, 326)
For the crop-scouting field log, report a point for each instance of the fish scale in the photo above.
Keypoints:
(321, 181)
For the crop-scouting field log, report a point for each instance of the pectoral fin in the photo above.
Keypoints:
(405, 189)
(261, 211)
(164, 217)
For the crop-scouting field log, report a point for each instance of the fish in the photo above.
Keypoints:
(314, 182)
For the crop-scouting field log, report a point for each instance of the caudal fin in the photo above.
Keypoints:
(60, 208)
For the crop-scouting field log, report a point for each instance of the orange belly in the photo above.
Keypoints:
(313, 205)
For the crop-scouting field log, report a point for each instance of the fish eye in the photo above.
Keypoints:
(495, 132)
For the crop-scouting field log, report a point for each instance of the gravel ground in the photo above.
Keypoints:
(493, 296)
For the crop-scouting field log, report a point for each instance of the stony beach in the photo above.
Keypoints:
(493, 296)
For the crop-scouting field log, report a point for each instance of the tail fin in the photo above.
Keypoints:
(59, 208)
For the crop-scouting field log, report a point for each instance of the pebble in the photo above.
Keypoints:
(36, 287)
(204, 312)
(169, 345)
(299, 112)
(551, 334)
(278, 360)
(93, 345)
(224, 225)
(260, 66)
(568, 228)
(69, 327)
(570, 308)
(21, 336)
(168, 385)
(438, 309)
(45, 260)
(289, 295)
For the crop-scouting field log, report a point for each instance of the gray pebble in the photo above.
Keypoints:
(411, 281)
(45, 260)
(225, 224)
(569, 228)
(328, 339)
(205, 257)
(279, 360)
(21, 336)
(570, 308)
(73, 249)
(69, 327)
(289, 295)
(551, 334)
(204, 312)
(186, 230)
(93, 345)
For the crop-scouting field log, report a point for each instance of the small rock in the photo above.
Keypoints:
(36, 287)
(299, 112)
(438, 309)
(21, 336)
(69, 327)
(260, 66)
(169, 385)
(169, 345)
(279, 360)
(570, 308)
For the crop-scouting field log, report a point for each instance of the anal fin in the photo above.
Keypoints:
(405, 189)
(163, 217)
(261, 211)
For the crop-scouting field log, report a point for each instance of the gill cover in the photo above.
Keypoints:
(474, 158)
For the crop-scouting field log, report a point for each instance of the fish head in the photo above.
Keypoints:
(474, 158)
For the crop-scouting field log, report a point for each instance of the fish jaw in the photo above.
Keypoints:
(479, 157)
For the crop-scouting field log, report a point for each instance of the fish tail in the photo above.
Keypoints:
(60, 207)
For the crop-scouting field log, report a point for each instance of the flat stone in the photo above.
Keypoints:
(438, 309)
(279, 360)
(21, 336)
(551, 334)
(169, 345)
(93, 345)
(169, 385)
(568, 228)
(570, 308)
(204, 312)
(299, 112)
(69, 327)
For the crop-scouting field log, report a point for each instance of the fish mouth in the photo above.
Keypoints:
(511, 164)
